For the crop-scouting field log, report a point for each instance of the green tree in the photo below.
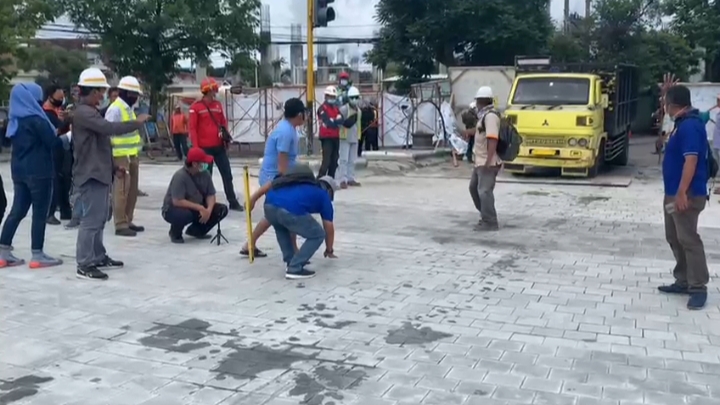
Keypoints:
(19, 19)
(58, 65)
(147, 38)
(419, 35)
(698, 22)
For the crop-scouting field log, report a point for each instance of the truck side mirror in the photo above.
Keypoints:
(604, 101)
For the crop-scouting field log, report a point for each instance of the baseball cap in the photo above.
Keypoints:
(293, 107)
(197, 155)
(330, 182)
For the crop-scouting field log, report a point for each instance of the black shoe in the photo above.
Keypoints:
(673, 289)
(235, 206)
(176, 238)
(109, 264)
(302, 274)
(91, 273)
(483, 226)
(66, 216)
(258, 253)
(52, 220)
(136, 228)
(697, 300)
(125, 232)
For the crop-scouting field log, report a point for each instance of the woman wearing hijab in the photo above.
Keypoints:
(34, 140)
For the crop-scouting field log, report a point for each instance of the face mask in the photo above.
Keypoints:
(204, 167)
(343, 82)
(354, 102)
(131, 100)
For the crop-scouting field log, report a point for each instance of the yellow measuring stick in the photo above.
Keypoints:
(248, 215)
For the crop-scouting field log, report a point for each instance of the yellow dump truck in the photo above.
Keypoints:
(574, 117)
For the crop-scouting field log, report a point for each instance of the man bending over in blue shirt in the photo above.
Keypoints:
(290, 201)
(685, 176)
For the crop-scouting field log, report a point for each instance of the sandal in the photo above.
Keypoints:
(258, 253)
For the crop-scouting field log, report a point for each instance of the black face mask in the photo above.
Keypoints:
(56, 103)
(130, 100)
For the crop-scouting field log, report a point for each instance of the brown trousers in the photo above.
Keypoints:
(681, 233)
(125, 191)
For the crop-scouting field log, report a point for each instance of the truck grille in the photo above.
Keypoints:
(533, 141)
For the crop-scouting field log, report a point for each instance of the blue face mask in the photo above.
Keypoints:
(204, 167)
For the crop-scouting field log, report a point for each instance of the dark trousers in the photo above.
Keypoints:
(482, 192)
(221, 160)
(471, 145)
(35, 192)
(3, 200)
(62, 187)
(370, 139)
(180, 141)
(691, 268)
(330, 156)
(179, 218)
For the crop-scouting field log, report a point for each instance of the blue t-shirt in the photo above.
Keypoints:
(283, 139)
(689, 138)
(302, 199)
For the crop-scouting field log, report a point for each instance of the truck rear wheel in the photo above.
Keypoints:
(599, 161)
(624, 156)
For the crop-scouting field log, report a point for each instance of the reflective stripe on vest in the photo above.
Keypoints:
(129, 144)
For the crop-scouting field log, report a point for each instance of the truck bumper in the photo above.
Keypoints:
(571, 161)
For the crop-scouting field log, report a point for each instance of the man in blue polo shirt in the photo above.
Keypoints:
(290, 201)
(685, 176)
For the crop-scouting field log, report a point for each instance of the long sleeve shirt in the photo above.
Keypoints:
(205, 120)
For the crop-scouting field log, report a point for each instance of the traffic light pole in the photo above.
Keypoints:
(310, 82)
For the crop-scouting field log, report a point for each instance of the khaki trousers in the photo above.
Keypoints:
(691, 268)
(125, 191)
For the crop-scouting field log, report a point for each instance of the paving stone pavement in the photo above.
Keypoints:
(559, 307)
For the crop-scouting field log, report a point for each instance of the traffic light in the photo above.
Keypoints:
(323, 14)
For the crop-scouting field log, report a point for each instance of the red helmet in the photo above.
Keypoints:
(208, 84)
(344, 75)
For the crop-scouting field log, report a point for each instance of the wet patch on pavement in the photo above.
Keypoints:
(326, 382)
(589, 199)
(244, 363)
(320, 319)
(182, 338)
(20, 388)
(410, 334)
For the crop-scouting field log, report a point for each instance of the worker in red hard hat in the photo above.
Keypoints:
(208, 131)
(344, 83)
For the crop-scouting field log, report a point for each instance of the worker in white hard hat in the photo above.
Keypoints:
(330, 120)
(93, 172)
(349, 138)
(125, 150)
(487, 162)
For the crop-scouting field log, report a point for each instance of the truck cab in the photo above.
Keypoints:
(567, 117)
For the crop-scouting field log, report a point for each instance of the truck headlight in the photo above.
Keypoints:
(583, 143)
(572, 142)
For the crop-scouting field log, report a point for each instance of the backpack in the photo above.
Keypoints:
(509, 139)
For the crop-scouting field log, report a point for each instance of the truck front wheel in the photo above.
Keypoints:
(599, 161)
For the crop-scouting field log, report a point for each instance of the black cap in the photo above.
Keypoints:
(678, 95)
(293, 107)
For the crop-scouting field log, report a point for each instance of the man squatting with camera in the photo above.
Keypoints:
(290, 201)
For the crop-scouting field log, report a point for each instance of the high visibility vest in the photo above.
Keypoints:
(129, 144)
(344, 131)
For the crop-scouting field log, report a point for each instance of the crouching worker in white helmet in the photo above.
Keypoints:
(125, 150)
(487, 162)
(93, 172)
(290, 201)
(330, 121)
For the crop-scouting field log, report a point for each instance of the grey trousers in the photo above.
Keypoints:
(482, 191)
(92, 206)
(691, 268)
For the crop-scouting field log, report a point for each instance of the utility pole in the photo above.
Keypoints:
(566, 16)
(310, 81)
(588, 8)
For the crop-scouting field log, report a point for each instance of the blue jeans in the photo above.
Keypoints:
(35, 192)
(305, 226)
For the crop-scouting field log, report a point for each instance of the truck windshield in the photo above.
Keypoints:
(552, 91)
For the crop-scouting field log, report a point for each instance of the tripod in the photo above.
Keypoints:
(219, 237)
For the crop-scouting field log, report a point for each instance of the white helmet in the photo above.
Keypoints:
(484, 92)
(331, 91)
(353, 92)
(130, 83)
(93, 77)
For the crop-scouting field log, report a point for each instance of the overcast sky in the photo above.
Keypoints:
(355, 18)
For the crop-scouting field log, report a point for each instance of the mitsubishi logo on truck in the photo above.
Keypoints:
(545, 123)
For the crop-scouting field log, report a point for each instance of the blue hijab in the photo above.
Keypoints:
(25, 99)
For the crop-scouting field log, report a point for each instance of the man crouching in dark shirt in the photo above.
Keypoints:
(190, 199)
